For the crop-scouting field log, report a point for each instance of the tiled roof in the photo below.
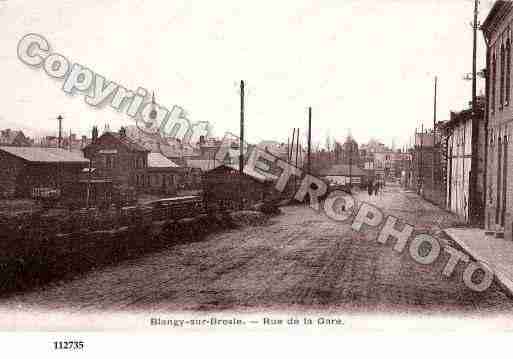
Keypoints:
(46, 155)
(156, 159)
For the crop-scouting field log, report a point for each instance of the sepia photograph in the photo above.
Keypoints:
(197, 167)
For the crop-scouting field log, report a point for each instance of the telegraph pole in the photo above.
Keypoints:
(309, 140)
(421, 172)
(434, 137)
(292, 145)
(297, 150)
(350, 164)
(59, 118)
(288, 147)
(297, 144)
(241, 140)
(473, 208)
(241, 143)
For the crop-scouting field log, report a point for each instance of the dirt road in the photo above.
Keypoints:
(300, 260)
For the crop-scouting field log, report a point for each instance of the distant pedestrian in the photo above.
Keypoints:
(376, 188)
(369, 187)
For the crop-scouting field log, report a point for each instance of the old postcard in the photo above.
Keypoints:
(287, 167)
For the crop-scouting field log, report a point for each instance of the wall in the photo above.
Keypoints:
(458, 169)
(113, 160)
(10, 168)
(499, 189)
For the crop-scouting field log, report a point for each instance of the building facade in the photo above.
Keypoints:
(163, 176)
(427, 171)
(117, 157)
(459, 162)
(497, 30)
(28, 170)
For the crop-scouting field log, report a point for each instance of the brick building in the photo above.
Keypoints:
(119, 158)
(497, 30)
(427, 170)
(347, 153)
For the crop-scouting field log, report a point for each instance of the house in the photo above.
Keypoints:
(498, 197)
(163, 176)
(347, 153)
(458, 137)
(10, 137)
(118, 157)
(27, 170)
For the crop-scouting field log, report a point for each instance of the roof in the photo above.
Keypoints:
(123, 140)
(465, 115)
(343, 170)
(257, 175)
(45, 155)
(158, 160)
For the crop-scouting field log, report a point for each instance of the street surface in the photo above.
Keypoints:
(300, 260)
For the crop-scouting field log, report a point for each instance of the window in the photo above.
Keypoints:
(504, 179)
(108, 162)
(499, 180)
(493, 83)
(508, 71)
(503, 62)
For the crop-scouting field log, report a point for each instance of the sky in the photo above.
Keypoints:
(364, 66)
